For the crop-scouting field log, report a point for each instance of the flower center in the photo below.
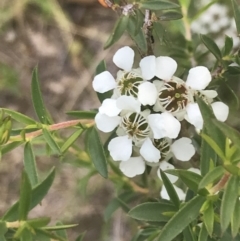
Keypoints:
(136, 126)
(163, 145)
(173, 96)
(128, 84)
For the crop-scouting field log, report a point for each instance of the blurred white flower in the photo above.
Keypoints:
(179, 191)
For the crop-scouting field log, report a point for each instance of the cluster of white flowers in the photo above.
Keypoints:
(146, 108)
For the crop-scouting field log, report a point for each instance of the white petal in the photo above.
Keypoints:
(210, 93)
(120, 148)
(220, 110)
(125, 102)
(195, 170)
(148, 67)
(165, 67)
(156, 123)
(132, 167)
(179, 192)
(109, 108)
(124, 58)
(198, 78)
(167, 166)
(103, 82)
(147, 93)
(194, 115)
(183, 149)
(105, 123)
(171, 124)
(149, 152)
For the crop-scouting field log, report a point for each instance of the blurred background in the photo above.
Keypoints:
(65, 40)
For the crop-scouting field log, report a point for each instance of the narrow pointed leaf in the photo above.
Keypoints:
(38, 222)
(158, 5)
(9, 147)
(25, 197)
(96, 152)
(188, 234)
(228, 202)
(236, 11)
(171, 15)
(228, 45)
(235, 221)
(118, 31)
(208, 219)
(211, 177)
(37, 99)
(80, 237)
(152, 212)
(181, 219)
(30, 164)
(50, 141)
(59, 227)
(82, 114)
(203, 235)
(170, 189)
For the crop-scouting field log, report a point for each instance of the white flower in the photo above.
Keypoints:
(147, 93)
(149, 152)
(103, 82)
(164, 165)
(180, 193)
(161, 67)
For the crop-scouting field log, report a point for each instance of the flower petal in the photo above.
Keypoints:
(171, 124)
(125, 102)
(165, 67)
(194, 115)
(167, 166)
(148, 67)
(220, 110)
(124, 58)
(103, 82)
(183, 149)
(209, 93)
(179, 192)
(195, 170)
(106, 123)
(157, 125)
(132, 167)
(147, 93)
(109, 108)
(149, 152)
(198, 78)
(120, 148)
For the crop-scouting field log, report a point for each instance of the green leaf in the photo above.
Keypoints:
(181, 219)
(37, 99)
(152, 212)
(71, 140)
(188, 234)
(229, 132)
(171, 15)
(118, 31)
(26, 235)
(212, 46)
(61, 232)
(59, 227)
(82, 114)
(25, 197)
(185, 3)
(38, 193)
(3, 228)
(96, 152)
(208, 219)
(203, 235)
(20, 117)
(229, 199)
(80, 237)
(9, 147)
(228, 45)
(235, 221)
(158, 5)
(236, 12)
(50, 141)
(30, 164)
(139, 39)
(38, 222)
(170, 189)
(44, 233)
(233, 70)
(211, 177)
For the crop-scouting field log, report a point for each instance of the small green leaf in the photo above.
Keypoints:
(170, 189)
(181, 219)
(82, 114)
(171, 15)
(25, 197)
(59, 227)
(233, 70)
(203, 235)
(188, 234)
(212, 46)
(38, 222)
(152, 212)
(80, 237)
(208, 219)
(236, 11)
(9, 147)
(228, 45)
(50, 141)
(3, 228)
(37, 99)
(211, 177)
(185, 3)
(235, 221)
(30, 164)
(158, 5)
(38, 193)
(230, 197)
(20, 117)
(71, 140)
(96, 152)
(118, 31)
(61, 232)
